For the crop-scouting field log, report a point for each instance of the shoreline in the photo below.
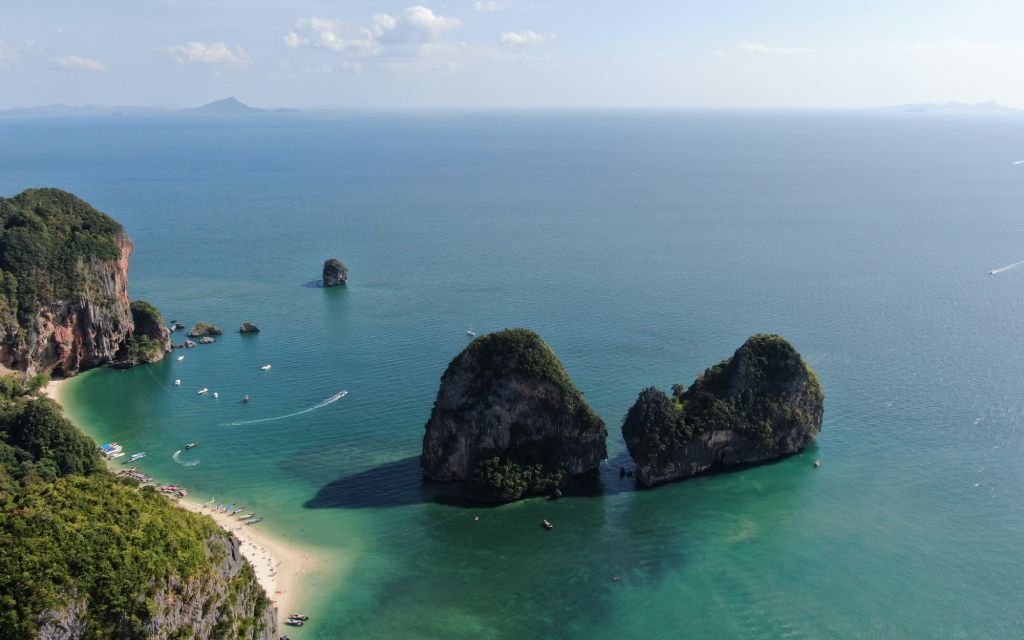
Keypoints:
(278, 566)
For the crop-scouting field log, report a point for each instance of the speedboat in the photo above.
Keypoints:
(237, 511)
(247, 516)
(136, 456)
(216, 395)
(180, 358)
(177, 382)
(202, 391)
(116, 455)
(298, 616)
(265, 367)
(245, 398)
(817, 463)
(547, 525)
(294, 623)
(191, 445)
(470, 332)
(254, 521)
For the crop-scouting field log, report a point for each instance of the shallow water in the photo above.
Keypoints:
(643, 246)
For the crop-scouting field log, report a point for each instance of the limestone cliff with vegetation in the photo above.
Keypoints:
(64, 286)
(508, 422)
(763, 403)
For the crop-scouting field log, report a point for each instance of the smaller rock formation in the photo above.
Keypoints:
(509, 423)
(189, 344)
(335, 273)
(762, 403)
(248, 327)
(149, 340)
(204, 329)
(206, 340)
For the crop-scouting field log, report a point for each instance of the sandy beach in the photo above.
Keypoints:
(279, 567)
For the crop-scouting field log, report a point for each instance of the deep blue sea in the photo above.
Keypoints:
(643, 246)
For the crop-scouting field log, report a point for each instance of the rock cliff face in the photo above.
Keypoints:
(335, 273)
(77, 332)
(63, 284)
(508, 422)
(225, 603)
(761, 404)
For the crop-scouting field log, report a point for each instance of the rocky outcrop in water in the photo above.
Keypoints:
(248, 327)
(761, 404)
(63, 284)
(150, 339)
(509, 423)
(335, 273)
(226, 603)
(201, 329)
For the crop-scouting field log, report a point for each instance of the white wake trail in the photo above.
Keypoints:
(338, 396)
(1006, 268)
(184, 464)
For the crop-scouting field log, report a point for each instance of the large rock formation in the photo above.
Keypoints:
(335, 273)
(248, 327)
(761, 404)
(63, 284)
(150, 338)
(508, 422)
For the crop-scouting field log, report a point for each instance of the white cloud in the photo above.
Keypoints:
(756, 47)
(719, 53)
(415, 25)
(521, 38)
(216, 53)
(78, 62)
(7, 54)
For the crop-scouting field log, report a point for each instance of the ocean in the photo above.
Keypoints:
(643, 246)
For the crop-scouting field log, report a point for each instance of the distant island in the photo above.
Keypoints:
(226, 106)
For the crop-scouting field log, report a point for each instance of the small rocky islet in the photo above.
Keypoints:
(508, 423)
(335, 273)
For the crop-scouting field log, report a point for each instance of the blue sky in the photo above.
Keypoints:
(510, 53)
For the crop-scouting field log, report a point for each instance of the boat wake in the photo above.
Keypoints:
(338, 396)
(1006, 268)
(177, 459)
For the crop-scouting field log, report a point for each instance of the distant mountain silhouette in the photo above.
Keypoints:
(230, 105)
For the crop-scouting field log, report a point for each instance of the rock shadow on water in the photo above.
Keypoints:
(394, 484)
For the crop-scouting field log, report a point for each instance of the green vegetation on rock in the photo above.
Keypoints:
(764, 401)
(80, 546)
(204, 329)
(46, 236)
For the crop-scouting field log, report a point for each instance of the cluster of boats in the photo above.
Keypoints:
(296, 620)
(136, 475)
(233, 510)
(113, 451)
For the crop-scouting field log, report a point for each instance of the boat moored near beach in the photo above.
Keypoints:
(136, 456)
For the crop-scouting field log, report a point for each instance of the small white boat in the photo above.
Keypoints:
(181, 358)
(216, 395)
(202, 391)
(177, 382)
(136, 456)
(470, 332)
(265, 367)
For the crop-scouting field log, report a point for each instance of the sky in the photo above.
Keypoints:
(511, 53)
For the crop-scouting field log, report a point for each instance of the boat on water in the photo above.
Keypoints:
(177, 382)
(247, 516)
(254, 521)
(191, 445)
(212, 500)
(470, 332)
(136, 456)
(111, 450)
(180, 358)
(547, 525)
(298, 616)
(216, 395)
(245, 398)
(293, 623)
(265, 367)
(115, 456)
(202, 391)
(230, 507)
(217, 508)
(237, 511)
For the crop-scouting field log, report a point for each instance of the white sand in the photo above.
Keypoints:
(279, 567)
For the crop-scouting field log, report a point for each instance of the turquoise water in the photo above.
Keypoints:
(643, 246)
